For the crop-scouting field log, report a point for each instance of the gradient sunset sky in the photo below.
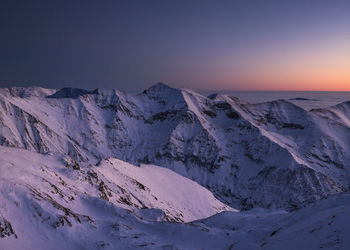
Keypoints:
(203, 45)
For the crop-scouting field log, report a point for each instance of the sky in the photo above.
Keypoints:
(198, 44)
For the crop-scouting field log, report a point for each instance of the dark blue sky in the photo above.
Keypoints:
(129, 45)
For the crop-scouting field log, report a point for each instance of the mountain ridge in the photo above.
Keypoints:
(238, 150)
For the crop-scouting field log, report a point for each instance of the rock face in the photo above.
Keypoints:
(272, 155)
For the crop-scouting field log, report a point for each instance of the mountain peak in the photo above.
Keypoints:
(158, 87)
(161, 85)
(212, 96)
(69, 93)
(161, 92)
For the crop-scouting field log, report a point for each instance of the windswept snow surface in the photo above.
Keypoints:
(104, 169)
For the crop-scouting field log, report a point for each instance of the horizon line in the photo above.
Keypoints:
(184, 87)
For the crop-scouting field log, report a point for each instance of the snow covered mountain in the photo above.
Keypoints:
(105, 169)
(272, 155)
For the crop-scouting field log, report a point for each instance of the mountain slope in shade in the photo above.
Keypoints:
(272, 155)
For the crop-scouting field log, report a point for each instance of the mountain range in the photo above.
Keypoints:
(113, 170)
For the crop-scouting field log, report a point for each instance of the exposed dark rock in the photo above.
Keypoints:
(209, 113)
(6, 229)
(69, 93)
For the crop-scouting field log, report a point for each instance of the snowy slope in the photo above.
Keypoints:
(124, 185)
(182, 200)
(56, 196)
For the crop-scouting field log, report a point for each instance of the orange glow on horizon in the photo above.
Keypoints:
(317, 67)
